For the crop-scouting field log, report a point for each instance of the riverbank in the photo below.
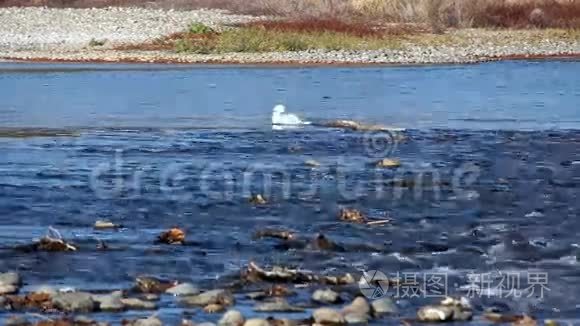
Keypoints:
(117, 35)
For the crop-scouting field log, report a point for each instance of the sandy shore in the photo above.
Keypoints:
(41, 34)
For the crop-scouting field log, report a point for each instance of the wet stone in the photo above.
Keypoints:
(147, 284)
(17, 321)
(257, 322)
(436, 313)
(74, 302)
(232, 318)
(183, 289)
(210, 297)
(9, 283)
(109, 302)
(356, 318)
(138, 304)
(174, 236)
(351, 215)
(359, 306)
(258, 200)
(279, 305)
(384, 306)
(328, 316)
(326, 296)
(105, 225)
(151, 321)
(387, 163)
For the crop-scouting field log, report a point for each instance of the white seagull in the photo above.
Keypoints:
(280, 118)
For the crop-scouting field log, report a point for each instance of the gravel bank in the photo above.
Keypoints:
(72, 29)
(41, 34)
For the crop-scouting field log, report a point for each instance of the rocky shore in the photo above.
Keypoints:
(93, 35)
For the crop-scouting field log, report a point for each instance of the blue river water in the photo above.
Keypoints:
(488, 183)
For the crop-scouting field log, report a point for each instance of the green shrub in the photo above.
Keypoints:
(94, 42)
(199, 28)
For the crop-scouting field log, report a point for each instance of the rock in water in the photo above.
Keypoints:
(110, 302)
(210, 297)
(9, 283)
(434, 314)
(384, 306)
(328, 316)
(74, 302)
(138, 304)
(183, 289)
(326, 296)
(232, 318)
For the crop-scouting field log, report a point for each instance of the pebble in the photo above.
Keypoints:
(183, 289)
(326, 296)
(74, 302)
(232, 318)
(328, 316)
(75, 28)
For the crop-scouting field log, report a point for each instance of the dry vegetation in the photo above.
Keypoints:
(436, 13)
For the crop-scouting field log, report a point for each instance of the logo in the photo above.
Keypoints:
(381, 143)
(373, 284)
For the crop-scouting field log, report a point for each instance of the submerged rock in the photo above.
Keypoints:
(321, 242)
(17, 321)
(213, 308)
(271, 233)
(279, 305)
(150, 321)
(232, 318)
(148, 284)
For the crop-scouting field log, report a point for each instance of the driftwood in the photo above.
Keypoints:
(254, 273)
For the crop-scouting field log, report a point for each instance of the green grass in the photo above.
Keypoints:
(257, 39)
